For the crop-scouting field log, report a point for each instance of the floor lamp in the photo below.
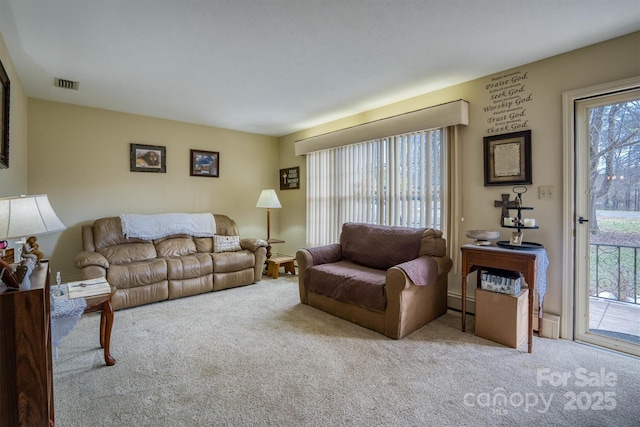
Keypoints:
(268, 199)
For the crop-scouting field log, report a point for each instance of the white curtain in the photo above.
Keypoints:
(400, 180)
(453, 212)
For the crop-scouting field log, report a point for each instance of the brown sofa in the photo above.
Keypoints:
(392, 280)
(146, 271)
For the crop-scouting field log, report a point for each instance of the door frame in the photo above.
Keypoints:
(567, 317)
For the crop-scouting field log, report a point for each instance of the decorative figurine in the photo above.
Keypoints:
(31, 251)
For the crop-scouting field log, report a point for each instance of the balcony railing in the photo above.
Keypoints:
(615, 272)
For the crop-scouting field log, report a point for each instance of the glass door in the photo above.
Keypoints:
(607, 189)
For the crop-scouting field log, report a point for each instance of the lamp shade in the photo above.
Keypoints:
(268, 199)
(27, 215)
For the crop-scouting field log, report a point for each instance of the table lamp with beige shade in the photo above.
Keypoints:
(25, 217)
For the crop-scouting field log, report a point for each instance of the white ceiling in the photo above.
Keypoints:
(277, 66)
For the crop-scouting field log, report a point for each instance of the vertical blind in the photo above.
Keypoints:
(391, 181)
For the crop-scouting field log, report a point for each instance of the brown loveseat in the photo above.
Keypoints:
(146, 271)
(392, 280)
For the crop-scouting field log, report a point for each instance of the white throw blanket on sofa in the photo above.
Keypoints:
(156, 226)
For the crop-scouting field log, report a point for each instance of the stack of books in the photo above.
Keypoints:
(89, 288)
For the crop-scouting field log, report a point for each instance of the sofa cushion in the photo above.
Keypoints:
(349, 282)
(226, 243)
(138, 274)
(144, 294)
(379, 246)
(233, 279)
(188, 287)
(189, 266)
(108, 232)
(226, 262)
(175, 247)
(128, 252)
(203, 244)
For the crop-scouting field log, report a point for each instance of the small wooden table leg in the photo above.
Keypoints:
(540, 315)
(272, 269)
(464, 301)
(106, 323)
(290, 268)
(103, 303)
(275, 270)
(530, 330)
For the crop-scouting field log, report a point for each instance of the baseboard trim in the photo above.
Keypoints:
(550, 325)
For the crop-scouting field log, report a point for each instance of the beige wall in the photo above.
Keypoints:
(13, 181)
(80, 157)
(547, 80)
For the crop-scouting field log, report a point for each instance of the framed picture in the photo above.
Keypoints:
(205, 163)
(507, 159)
(5, 103)
(516, 238)
(148, 158)
(290, 178)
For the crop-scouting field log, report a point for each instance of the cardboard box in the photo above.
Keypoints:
(502, 318)
(503, 281)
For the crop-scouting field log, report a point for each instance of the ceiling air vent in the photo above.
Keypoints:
(66, 84)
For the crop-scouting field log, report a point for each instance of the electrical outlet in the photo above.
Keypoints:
(546, 192)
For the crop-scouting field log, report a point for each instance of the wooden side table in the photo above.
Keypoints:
(102, 303)
(522, 261)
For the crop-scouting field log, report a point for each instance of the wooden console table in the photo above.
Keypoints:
(523, 261)
(26, 389)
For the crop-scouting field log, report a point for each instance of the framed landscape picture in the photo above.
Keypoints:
(148, 158)
(205, 163)
(507, 159)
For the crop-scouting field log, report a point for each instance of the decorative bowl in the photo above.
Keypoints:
(482, 235)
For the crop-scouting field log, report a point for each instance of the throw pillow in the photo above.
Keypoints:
(226, 243)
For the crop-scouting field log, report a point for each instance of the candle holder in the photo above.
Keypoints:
(518, 223)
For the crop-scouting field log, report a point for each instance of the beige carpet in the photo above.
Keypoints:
(256, 356)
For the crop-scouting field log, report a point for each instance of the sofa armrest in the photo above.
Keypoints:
(87, 259)
(307, 258)
(324, 254)
(425, 270)
(91, 264)
(409, 306)
(252, 244)
(304, 261)
(421, 271)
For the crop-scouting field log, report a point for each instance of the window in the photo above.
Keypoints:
(392, 181)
